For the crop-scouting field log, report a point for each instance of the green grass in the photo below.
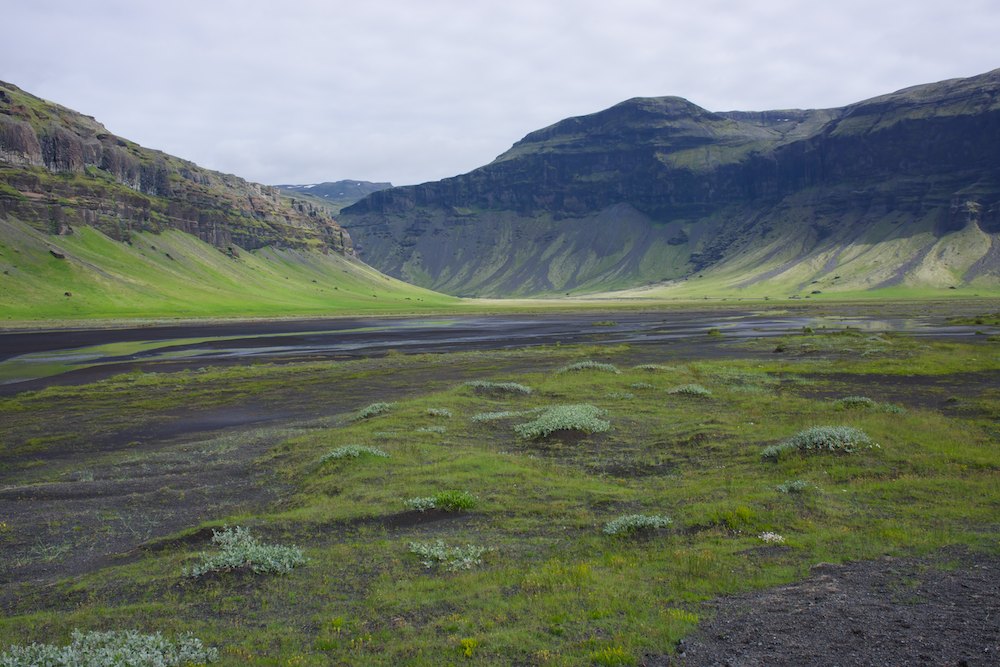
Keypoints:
(528, 575)
(173, 274)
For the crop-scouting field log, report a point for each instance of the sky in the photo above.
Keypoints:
(407, 91)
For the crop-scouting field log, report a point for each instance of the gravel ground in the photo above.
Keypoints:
(939, 611)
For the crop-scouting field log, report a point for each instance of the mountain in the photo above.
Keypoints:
(59, 168)
(336, 195)
(94, 225)
(902, 190)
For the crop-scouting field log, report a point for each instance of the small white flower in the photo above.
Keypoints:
(771, 538)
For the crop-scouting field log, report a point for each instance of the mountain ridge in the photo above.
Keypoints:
(93, 225)
(677, 190)
(60, 168)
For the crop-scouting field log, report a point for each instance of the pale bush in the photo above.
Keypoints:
(845, 439)
(792, 486)
(589, 366)
(690, 390)
(122, 648)
(485, 417)
(854, 402)
(374, 409)
(448, 501)
(581, 417)
(352, 452)
(452, 559)
(631, 524)
(239, 550)
(498, 388)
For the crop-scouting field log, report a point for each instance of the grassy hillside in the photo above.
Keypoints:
(174, 274)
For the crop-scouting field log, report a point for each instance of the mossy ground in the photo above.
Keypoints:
(552, 589)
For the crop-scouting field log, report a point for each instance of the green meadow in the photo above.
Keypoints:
(554, 506)
(175, 275)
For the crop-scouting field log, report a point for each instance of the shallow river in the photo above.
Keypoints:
(30, 360)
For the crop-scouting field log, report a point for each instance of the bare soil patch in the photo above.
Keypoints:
(939, 611)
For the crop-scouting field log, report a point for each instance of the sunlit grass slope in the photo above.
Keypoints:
(174, 274)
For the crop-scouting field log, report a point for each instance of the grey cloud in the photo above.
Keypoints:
(308, 91)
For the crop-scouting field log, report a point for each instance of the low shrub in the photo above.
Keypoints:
(865, 403)
(421, 504)
(448, 501)
(589, 366)
(854, 402)
(632, 524)
(483, 417)
(792, 486)
(653, 368)
(690, 390)
(452, 559)
(620, 395)
(374, 410)
(846, 439)
(122, 648)
(239, 550)
(498, 388)
(581, 417)
(352, 452)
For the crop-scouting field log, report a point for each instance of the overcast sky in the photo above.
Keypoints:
(304, 91)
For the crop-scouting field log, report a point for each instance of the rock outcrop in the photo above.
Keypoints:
(59, 168)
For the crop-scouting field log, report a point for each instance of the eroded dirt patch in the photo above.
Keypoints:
(942, 611)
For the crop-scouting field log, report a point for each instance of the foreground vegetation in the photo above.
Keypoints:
(493, 516)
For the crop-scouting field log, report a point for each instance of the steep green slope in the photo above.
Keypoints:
(898, 191)
(174, 274)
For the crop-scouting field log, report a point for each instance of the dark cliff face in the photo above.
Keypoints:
(924, 151)
(59, 168)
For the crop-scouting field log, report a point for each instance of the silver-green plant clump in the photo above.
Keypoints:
(792, 486)
(632, 524)
(498, 388)
(865, 403)
(485, 417)
(352, 452)
(843, 439)
(448, 501)
(589, 366)
(581, 417)
(239, 550)
(122, 648)
(374, 409)
(452, 559)
(690, 390)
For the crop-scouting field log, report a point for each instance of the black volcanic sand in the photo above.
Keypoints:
(281, 341)
(936, 612)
